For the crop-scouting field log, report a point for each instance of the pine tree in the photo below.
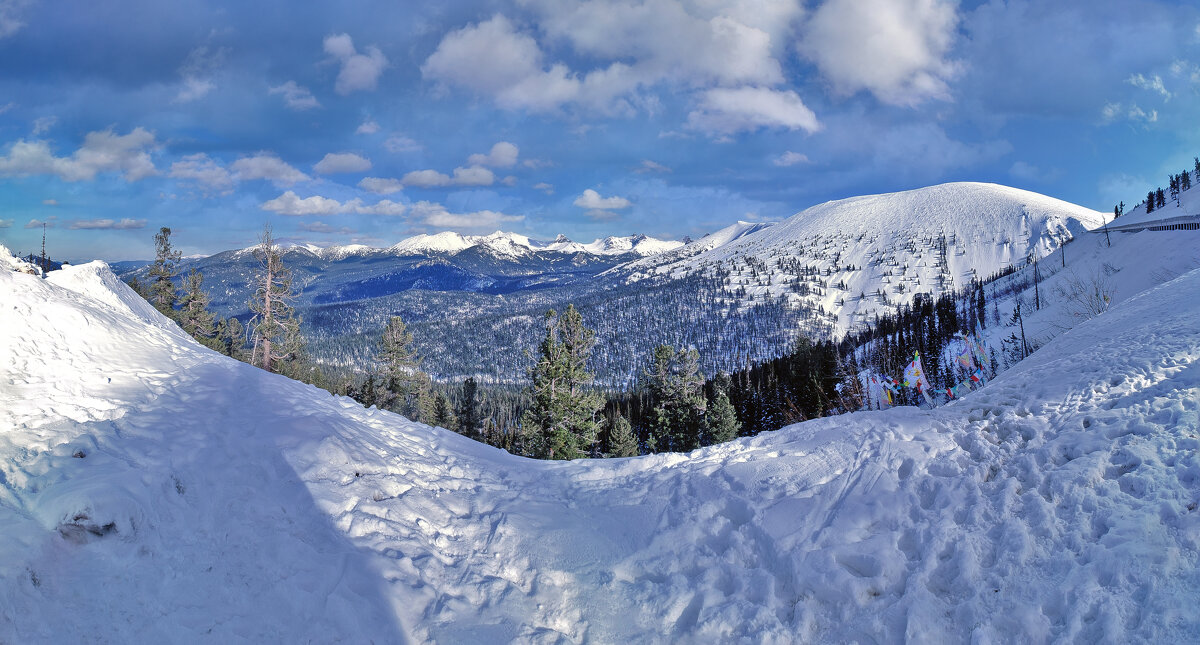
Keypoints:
(233, 337)
(1150, 202)
(561, 422)
(162, 273)
(443, 414)
(1160, 198)
(402, 377)
(275, 326)
(194, 316)
(720, 421)
(621, 441)
(676, 386)
(468, 409)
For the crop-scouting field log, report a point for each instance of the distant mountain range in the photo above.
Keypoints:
(740, 294)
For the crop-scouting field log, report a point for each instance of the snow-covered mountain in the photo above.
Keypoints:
(151, 489)
(500, 243)
(854, 257)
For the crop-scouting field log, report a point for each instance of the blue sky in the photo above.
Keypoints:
(367, 122)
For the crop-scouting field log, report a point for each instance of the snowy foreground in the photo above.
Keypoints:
(153, 491)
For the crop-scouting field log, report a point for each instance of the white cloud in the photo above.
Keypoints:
(295, 96)
(502, 155)
(647, 166)
(265, 165)
(108, 224)
(426, 179)
(11, 16)
(469, 176)
(895, 49)
(50, 202)
(289, 203)
(492, 58)
(368, 127)
(398, 143)
(197, 72)
(42, 124)
(6, 223)
(436, 215)
(592, 200)
(204, 172)
(322, 227)
(1138, 114)
(1153, 84)
(359, 71)
(101, 152)
(342, 162)
(727, 111)
(380, 185)
(790, 158)
(544, 187)
(473, 176)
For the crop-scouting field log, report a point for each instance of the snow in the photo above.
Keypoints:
(154, 491)
(508, 245)
(885, 242)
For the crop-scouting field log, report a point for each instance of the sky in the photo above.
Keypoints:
(370, 121)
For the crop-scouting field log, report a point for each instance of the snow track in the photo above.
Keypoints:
(151, 490)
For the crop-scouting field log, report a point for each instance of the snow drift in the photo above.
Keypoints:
(152, 490)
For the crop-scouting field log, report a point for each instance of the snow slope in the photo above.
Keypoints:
(856, 256)
(154, 491)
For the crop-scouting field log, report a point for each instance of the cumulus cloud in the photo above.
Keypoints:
(726, 111)
(469, 176)
(295, 96)
(502, 155)
(108, 224)
(342, 162)
(381, 185)
(289, 203)
(790, 158)
(266, 165)
(37, 223)
(203, 172)
(895, 49)
(6, 223)
(358, 71)
(544, 187)
(438, 216)
(399, 143)
(600, 207)
(101, 152)
(368, 127)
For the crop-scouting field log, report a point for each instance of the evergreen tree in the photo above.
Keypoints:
(193, 314)
(443, 413)
(676, 387)
(621, 441)
(402, 379)
(1160, 198)
(1185, 181)
(721, 422)
(275, 326)
(561, 420)
(468, 409)
(233, 337)
(162, 273)
(1150, 202)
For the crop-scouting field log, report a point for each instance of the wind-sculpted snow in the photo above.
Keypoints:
(154, 491)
